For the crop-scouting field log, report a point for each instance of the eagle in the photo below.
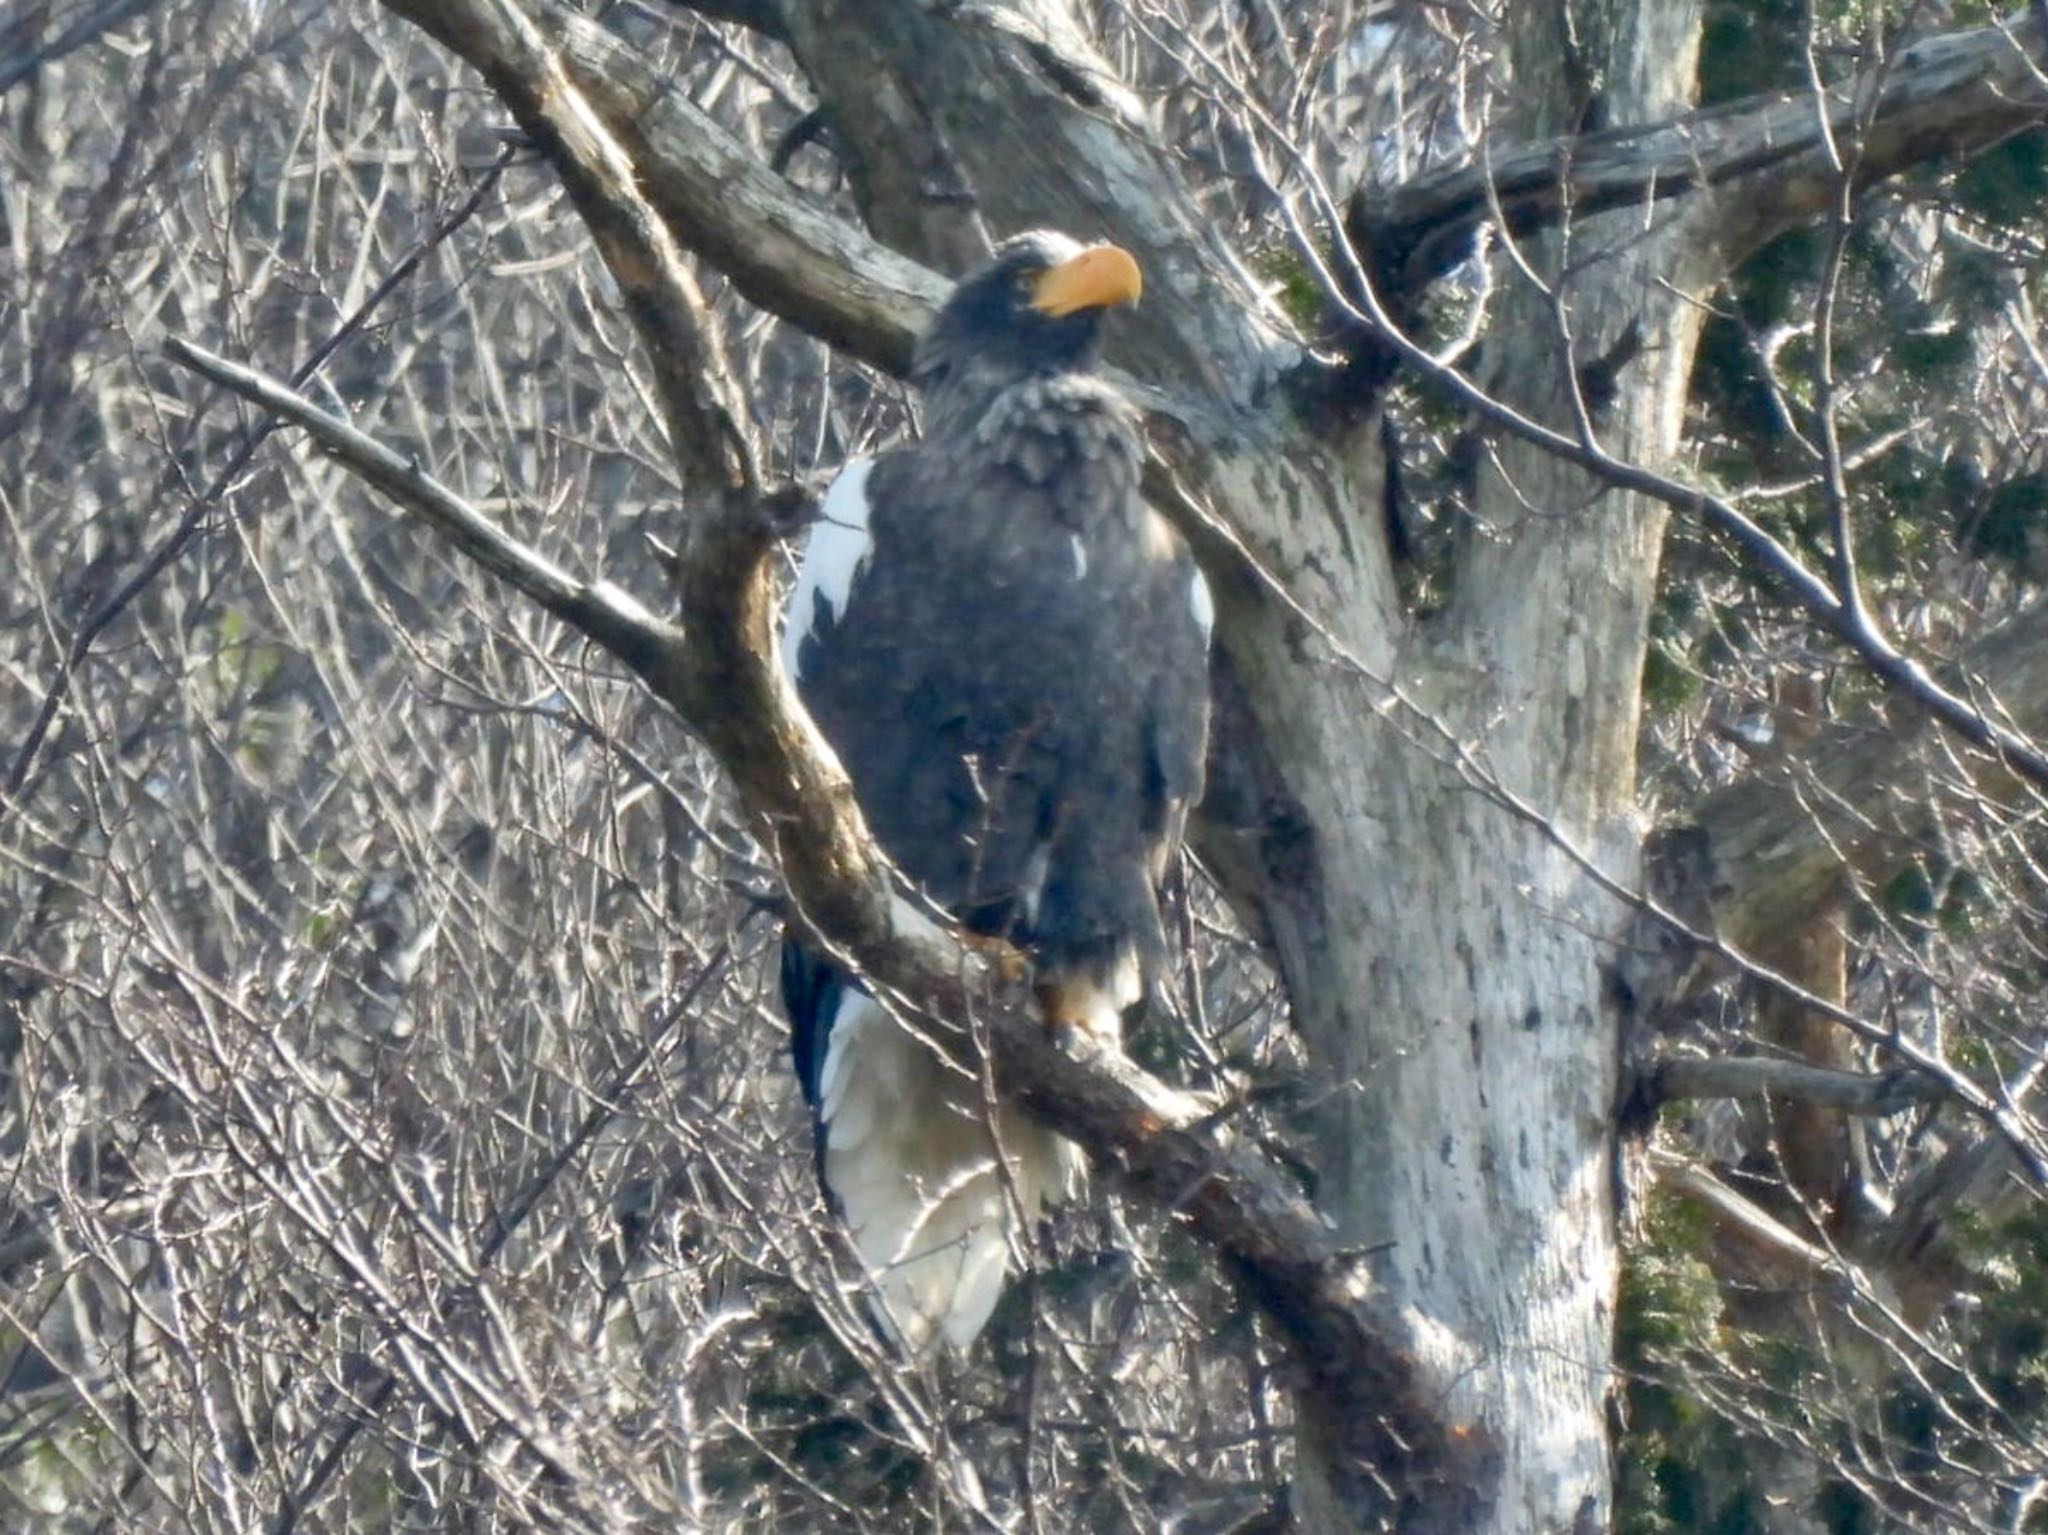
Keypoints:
(1008, 651)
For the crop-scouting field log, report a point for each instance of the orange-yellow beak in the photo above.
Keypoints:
(1098, 277)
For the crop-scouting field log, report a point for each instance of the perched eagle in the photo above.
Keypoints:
(1009, 652)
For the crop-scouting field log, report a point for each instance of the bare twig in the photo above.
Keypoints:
(1318, 1294)
(610, 1103)
(615, 619)
(1779, 1254)
(1906, 676)
(713, 192)
(96, 22)
(188, 526)
(763, 16)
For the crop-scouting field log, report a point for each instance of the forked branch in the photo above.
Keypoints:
(1945, 95)
(1753, 1076)
(716, 671)
(1172, 1147)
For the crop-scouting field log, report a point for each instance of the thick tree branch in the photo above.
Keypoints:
(1174, 1148)
(1758, 857)
(949, 117)
(614, 619)
(1753, 1076)
(1751, 1243)
(1903, 675)
(714, 194)
(1945, 95)
(1355, 1350)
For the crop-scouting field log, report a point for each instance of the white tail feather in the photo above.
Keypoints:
(910, 1159)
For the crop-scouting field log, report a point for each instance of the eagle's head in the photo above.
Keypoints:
(1035, 307)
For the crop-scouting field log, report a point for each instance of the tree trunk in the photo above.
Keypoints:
(1452, 975)
(1439, 808)
(1445, 958)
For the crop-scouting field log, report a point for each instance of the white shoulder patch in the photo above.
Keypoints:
(834, 551)
(1203, 606)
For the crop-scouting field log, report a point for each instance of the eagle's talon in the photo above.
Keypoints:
(1008, 961)
(1083, 1038)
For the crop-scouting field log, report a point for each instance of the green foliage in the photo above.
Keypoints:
(2005, 523)
(2010, 1329)
(2007, 184)
(1684, 1468)
(1675, 1454)
(1923, 271)
(1671, 679)
(1934, 897)
(1668, 684)
(1909, 895)
(1747, 46)
(1293, 285)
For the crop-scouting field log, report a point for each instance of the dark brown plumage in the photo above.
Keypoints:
(1008, 650)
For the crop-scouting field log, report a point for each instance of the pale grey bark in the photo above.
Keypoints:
(1754, 856)
(1949, 93)
(1689, 1076)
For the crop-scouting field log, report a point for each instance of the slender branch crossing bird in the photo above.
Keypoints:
(1009, 652)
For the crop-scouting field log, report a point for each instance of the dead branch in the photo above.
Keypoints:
(1752, 1076)
(713, 193)
(1762, 853)
(1750, 1240)
(1945, 95)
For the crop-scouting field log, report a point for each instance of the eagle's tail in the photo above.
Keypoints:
(910, 1153)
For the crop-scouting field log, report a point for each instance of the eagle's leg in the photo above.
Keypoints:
(1084, 1007)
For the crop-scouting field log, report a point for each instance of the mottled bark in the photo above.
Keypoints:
(1947, 94)
(1866, 795)
(1466, 996)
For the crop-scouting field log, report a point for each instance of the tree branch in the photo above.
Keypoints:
(14, 787)
(1752, 1242)
(949, 117)
(711, 191)
(1901, 674)
(94, 24)
(1756, 860)
(1353, 1346)
(763, 16)
(1752, 1076)
(1945, 95)
(1758, 857)
(654, 648)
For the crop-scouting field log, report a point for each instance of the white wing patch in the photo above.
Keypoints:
(1032, 886)
(835, 550)
(1203, 605)
(1080, 556)
(850, 1019)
